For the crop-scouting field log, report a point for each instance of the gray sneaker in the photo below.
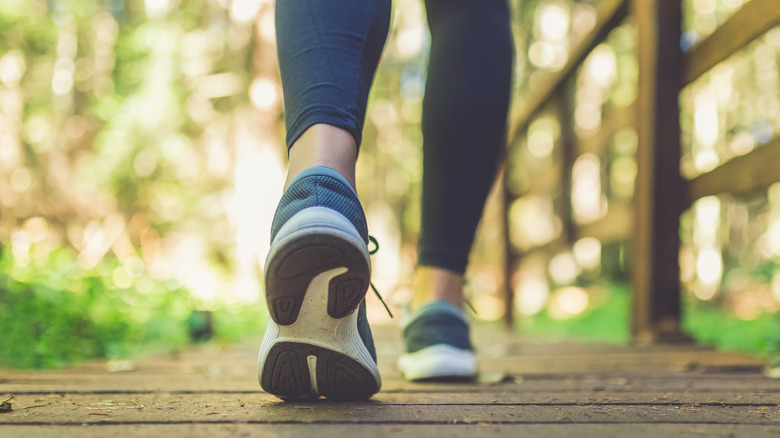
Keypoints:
(437, 344)
(316, 275)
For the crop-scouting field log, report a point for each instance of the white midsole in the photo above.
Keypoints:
(439, 360)
(314, 326)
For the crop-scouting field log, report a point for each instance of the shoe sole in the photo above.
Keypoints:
(317, 274)
(440, 362)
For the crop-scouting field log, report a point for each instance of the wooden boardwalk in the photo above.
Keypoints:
(525, 388)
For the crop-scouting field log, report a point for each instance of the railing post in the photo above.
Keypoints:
(660, 189)
(509, 259)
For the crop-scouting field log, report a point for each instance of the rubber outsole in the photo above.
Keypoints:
(288, 373)
(298, 261)
(440, 362)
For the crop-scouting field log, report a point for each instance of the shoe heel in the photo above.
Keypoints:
(314, 241)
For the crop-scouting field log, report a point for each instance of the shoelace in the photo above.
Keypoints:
(470, 306)
(373, 240)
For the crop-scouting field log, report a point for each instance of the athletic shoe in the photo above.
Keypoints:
(437, 344)
(316, 275)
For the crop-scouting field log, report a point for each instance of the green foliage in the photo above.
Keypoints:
(65, 314)
(773, 344)
(104, 160)
(707, 323)
(58, 313)
(713, 325)
(235, 323)
(607, 321)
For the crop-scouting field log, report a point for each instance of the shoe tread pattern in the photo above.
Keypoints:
(300, 260)
(339, 377)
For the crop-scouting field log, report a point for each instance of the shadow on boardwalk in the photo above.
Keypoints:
(525, 388)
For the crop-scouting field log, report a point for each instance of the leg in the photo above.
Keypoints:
(464, 122)
(433, 283)
(318, 342)
(328, 53)
(323, 145)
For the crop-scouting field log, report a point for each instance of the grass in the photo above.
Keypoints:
(608, 321)
(604, 321)
(55, 314)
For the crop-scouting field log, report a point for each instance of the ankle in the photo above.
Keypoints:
(437, 284)
(323, 145)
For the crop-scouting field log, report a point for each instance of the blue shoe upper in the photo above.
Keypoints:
(320, 186)
(438, 322)
(364, 330)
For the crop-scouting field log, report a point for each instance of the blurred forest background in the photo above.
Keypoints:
(141, 159)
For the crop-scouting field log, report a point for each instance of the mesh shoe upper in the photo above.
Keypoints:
(364, 330)
(436, 323)
(320, 186)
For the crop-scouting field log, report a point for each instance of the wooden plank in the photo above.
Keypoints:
(675, 382)
(617, 225)
(609, 14)
(157, 408)
(658, 196)
(741, 175)
(490, 396)
(562, 367)
(231, 430)
(551, 389)
(751, 21)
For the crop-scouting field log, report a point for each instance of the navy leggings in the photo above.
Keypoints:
(328, 53)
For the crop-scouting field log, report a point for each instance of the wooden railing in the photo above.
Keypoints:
(650, 223)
